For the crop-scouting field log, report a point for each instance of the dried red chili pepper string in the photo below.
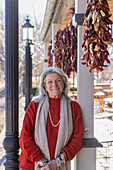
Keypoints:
(65, 48)
(97, 35)
(50, 56)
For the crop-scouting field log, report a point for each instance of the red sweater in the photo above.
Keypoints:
(30, 152)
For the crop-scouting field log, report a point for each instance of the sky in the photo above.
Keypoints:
(30, 8)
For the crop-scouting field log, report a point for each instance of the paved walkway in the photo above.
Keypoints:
(2, 109)
(2, 122)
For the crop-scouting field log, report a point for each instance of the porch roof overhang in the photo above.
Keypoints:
(55, 12)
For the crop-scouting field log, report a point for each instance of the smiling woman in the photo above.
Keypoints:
(52, 131)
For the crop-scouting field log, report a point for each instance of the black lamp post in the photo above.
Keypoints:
(28, 36)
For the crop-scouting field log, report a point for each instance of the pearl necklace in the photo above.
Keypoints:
(52, 121)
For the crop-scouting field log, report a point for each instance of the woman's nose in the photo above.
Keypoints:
(54, 83)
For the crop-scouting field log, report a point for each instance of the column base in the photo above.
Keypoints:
(91, 143)
(11, 146)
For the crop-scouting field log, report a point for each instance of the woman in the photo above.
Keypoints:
(52, 131)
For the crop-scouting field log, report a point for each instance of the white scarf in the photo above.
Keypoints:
(65, 128)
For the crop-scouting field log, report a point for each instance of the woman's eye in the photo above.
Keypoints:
(49, 82)
(58, 80)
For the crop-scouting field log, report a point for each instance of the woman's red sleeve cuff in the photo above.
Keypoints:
(39, 157)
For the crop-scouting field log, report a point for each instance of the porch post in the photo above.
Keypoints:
(10, 142)
(86, 158)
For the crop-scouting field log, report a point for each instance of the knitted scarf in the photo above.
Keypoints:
(65, 128)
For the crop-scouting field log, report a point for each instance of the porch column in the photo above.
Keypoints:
(46, 45)
(86, 158)
(10, 143)
(55, 27)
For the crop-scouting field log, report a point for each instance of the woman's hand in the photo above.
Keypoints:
(52, 165)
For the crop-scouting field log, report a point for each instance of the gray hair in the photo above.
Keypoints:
(42, 91)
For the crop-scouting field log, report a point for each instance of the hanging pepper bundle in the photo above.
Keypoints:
(73, 46)
(97, 34)
(57, 48)
(50, 56)
(65, 48)
(66, 57)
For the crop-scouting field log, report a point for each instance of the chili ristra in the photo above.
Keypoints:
(50, 56)
(65, 48)
(97, 35)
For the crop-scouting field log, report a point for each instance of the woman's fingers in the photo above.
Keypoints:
(50, 166)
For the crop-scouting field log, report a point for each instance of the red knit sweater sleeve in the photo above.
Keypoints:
(75, 143)
(26, 140)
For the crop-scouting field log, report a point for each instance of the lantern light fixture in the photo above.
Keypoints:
(27, 30)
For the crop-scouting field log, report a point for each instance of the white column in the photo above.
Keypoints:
(55, 27)
(86, 158)
(85, 89)
(46, 45)
(80, 6)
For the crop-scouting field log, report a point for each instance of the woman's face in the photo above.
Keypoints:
(54, 85)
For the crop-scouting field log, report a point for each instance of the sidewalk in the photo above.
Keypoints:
(2, 134)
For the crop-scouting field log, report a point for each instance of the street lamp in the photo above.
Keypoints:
(28, 37)
(27, 30)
